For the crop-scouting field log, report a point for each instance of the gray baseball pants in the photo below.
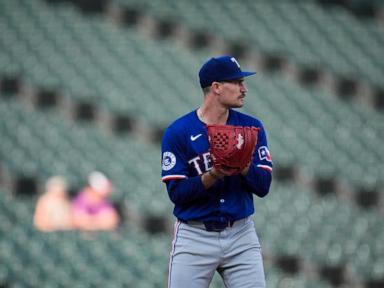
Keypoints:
(235, 253)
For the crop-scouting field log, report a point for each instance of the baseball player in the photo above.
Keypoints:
(213, 204)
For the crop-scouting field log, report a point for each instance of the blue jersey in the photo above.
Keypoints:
(185, 157)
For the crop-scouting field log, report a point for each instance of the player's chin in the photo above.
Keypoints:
(240, 102)
(237, 105)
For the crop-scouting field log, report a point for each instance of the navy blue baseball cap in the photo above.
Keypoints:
(221, 68)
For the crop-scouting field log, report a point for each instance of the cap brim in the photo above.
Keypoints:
(240, 75)
(246, 73)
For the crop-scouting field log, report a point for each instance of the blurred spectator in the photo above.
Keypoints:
(53, 209)
(91, 209)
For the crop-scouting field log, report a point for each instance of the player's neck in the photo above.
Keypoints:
(213, 114)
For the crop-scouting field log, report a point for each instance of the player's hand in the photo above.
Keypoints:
(246, 169)
(225, 171)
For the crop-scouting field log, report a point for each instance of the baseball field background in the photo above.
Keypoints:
(91, 84)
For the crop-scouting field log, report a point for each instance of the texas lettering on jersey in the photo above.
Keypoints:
(201, 163)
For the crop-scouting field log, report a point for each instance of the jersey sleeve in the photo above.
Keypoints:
(174, 164)
(259, 175)
(262, 157)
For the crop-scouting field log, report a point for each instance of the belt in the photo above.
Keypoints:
(215, 226)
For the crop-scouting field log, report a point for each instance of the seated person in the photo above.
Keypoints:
(91, 209)
(53, 209)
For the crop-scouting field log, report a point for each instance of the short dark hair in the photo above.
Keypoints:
(206, 90)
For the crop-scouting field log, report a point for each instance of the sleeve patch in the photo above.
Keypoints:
(264, 154)
(169, 161)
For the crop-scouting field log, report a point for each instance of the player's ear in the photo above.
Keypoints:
(216, 87)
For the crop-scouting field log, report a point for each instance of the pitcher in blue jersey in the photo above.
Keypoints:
(214, 230)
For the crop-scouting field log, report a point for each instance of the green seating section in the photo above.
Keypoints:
(73, 259)
(120, 71)
(92, 60)
(322, 135)
(275, 278)
(123, 72)
(44, 144)
(301, 30)
(290, 221)
(125, 258)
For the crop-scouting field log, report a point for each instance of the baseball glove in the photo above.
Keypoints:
(232, 147)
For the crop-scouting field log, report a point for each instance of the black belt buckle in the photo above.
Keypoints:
(216, 226)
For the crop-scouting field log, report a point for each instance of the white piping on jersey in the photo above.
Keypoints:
(265, 167)
(173, 177)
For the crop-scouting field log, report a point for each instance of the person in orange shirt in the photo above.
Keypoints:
(53, 208)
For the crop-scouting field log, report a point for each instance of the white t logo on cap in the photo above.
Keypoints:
(235, 61)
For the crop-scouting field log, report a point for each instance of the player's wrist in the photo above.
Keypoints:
(246, 170)
(214, 175)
